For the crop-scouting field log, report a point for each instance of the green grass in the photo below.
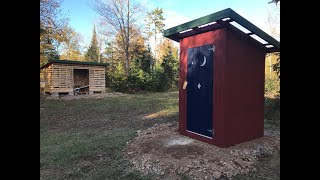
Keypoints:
(65, 147)
(84, 139)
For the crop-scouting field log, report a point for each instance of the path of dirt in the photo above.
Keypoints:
(162, 150)
(86, 96)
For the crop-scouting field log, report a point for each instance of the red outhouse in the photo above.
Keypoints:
(221, 78)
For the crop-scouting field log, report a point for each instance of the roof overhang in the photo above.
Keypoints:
(73, 62)
(221, 19)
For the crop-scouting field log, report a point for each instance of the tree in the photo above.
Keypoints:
(138, 51)
(92, 52)
(146, 60)
(103, 38)
(273, 22)
(71, 49)
(155, 25)
(141, 54)
(50, 29)
(109, 53)
(121, 16)
(119, 78)
(163, 49)
(168, 62)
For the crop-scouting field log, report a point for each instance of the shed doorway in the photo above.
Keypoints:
(81, 81)
(200, 90)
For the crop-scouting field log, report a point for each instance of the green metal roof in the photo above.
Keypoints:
(74, 62)
(220, 20)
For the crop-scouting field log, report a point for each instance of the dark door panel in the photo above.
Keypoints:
(200, 89)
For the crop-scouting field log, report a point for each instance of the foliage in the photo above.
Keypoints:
(141, 78)
(154, 22)
(276, 66)
(71, 49)
(273, 22)
(51, 24)
(92, 53)
(128, 50)
(121, 16)
(272, 80)
(154, 25)
(272, 108)
(140, 54)
(119, 79)
(271, 86)
(168, 67)
(272, 98)
(163, 47)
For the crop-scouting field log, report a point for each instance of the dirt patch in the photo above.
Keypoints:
(162, 150)
(86, 96)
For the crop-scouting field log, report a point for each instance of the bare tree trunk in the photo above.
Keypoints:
(99, 53)
(127, 39)
(68, 52)
(99, 49)
(155, 42)
(121, 20)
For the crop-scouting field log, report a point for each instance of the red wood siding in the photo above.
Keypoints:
(243, 90)
(238, 99)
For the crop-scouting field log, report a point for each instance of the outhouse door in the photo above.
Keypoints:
(200, 90)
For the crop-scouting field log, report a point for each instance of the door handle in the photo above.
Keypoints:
(185, 85)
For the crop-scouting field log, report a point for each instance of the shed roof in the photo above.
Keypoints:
(74, 62)
(221, 19)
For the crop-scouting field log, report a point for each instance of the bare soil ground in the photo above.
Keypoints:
(162, 150)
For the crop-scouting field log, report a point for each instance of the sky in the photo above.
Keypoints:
(175, 12)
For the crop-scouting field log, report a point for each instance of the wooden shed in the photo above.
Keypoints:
(73, 77)
(221, 78)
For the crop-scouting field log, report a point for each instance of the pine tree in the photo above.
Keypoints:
(167, 65)
(145, 61)
(154, 26)
(92, 53)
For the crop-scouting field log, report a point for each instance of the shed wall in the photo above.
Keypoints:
(243, 90)
(59, 77)
(48, 79)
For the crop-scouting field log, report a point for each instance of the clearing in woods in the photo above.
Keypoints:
(87, 138)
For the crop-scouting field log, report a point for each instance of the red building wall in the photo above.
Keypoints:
(243, 90)
(238, 84)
